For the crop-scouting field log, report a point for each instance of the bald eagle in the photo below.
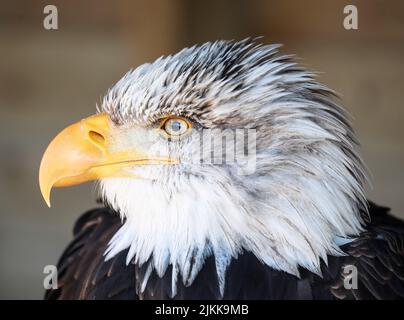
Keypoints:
(175, 225)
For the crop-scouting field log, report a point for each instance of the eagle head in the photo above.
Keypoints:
(221, 148)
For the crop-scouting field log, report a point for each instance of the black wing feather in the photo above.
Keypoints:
(378, 255)
(82, 271)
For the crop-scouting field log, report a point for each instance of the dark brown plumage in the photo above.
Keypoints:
(378, 255)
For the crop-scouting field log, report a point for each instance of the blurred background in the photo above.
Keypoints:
(49, 79)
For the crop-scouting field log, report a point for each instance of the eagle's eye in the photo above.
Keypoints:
(175, 127)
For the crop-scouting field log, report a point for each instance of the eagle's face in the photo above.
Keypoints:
(296, 187)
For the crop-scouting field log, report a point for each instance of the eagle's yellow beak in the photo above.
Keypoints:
(86, 151)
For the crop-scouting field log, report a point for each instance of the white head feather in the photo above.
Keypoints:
(307, 188)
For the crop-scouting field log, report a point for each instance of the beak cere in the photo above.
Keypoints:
(84, 151)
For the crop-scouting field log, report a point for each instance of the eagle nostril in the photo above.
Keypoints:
(97, 138)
